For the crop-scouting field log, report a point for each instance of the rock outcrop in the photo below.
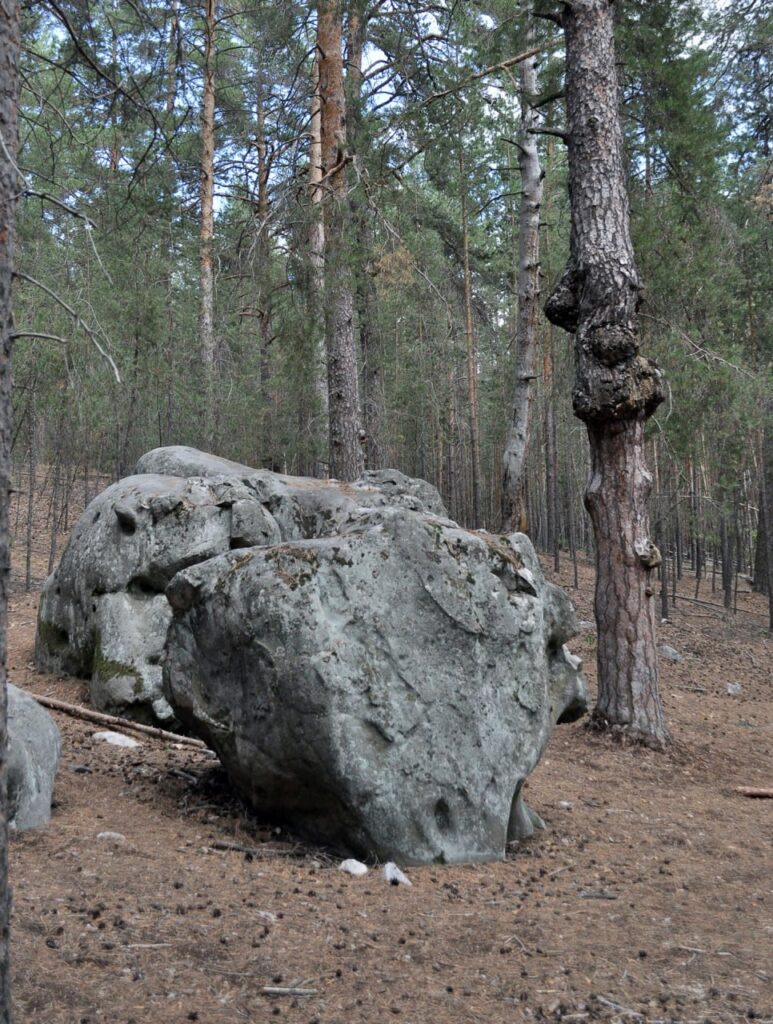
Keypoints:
(33, 752)
(366, 669)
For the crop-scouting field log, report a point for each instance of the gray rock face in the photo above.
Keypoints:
(34, 745)
(303, 508)
(387, 690)
(103, 614)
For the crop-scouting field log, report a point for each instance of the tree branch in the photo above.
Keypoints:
(38, 334)
(503, 66)
(564, 136)
(78, 322)
(32, 193)
(542, 101)
(549, 16)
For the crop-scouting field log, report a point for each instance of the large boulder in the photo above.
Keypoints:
(387, 689)
(103, 614)
(32, 757)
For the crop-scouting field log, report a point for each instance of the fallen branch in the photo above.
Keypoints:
(124, 723)
(757, 794)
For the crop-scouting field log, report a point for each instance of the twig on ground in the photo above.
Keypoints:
(254, 851)
(758, 794)
(624, 1010)
(272, 990)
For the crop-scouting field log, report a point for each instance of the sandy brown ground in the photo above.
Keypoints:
(647, 899)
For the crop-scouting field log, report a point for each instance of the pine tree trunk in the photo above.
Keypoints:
(207, 229)
(472, 357)
(263, 247)
(317, 239)
(346, 458)
(373, 402)
(616, 389)
(9, 54)
(516, 447)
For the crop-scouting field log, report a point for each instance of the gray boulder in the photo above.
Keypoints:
(103, 614)
(33, 752)
(386, 690)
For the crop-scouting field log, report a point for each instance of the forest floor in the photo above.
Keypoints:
(647, 898)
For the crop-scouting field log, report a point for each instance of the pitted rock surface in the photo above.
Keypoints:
(387, 690)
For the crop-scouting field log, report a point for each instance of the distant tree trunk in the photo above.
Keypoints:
(551, 454)
(766, 510)
(616, 389)
(516, 447)
(207, 228)
(317, 238)
(728, 559)
(373, 410)
(9, 55)
(264, 287)
(472, 354)
(166, 418)
(548, 388)
(346, 458)
(32, 462)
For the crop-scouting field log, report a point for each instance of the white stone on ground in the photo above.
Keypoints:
(116, 739)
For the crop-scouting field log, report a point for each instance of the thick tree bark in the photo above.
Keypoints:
(472, 354)
(346, 458)
(373, 400)
(616, 389)
(207, 228)
(516, 447)
(9, 54)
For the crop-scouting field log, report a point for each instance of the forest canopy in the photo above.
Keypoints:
(124, 208)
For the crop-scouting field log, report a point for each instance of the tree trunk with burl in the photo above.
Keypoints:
(616, 388)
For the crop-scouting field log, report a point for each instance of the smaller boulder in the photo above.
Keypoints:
(669, 653)
(34, 746)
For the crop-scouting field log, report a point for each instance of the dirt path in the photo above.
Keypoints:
(647, 898)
